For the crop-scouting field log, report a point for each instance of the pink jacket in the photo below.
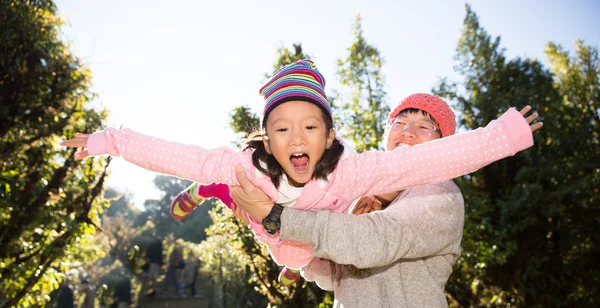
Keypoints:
(364, 174)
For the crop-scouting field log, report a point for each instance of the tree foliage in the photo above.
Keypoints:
(245, 122)
(286, 56)
(48, 201)
(120, 204)
(528, 238)
(361, 117)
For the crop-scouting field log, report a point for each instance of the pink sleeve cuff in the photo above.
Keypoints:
(97, 144)
(518, 130)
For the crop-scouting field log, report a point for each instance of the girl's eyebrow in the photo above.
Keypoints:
(304, 119)
(279, 120)
(313, 118)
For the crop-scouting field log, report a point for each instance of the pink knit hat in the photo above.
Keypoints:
(435, 106)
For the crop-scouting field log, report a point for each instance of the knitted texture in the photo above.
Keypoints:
(298, 81)
(435, 106)
(186, 201)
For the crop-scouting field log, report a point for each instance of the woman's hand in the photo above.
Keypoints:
(531, 118)
(249, 197)
(240, 214)
(80, 141)
(366, 205)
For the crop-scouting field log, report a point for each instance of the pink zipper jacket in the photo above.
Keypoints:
(357, 175)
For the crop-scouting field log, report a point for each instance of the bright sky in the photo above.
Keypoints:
(175, 69)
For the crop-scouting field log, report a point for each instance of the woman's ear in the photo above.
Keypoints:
(330, 137)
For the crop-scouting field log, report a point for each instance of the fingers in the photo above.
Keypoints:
(367, 205)
(532, 117)
(536, 126)
(82, 154)
(241, 176)
(234, 191)
(377, 206)
(240, 214)
(80, 141)
(361, 206)
(525, 110)
(73, 143)
(359, 209)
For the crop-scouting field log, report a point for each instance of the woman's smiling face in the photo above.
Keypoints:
(410, 128)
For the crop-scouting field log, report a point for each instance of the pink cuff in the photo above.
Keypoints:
(99, 143)
(518, 130)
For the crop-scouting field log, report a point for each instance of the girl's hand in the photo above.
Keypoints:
(531, 118)
(80, 141)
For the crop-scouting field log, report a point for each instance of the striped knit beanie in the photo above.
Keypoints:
(299, 81)
(435, 106)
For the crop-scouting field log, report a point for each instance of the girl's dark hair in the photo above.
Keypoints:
(323, 167)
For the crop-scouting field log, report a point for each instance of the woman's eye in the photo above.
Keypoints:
(282, 130)
(311, 127)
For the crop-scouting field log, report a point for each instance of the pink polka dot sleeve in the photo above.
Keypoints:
(436, 161)
(190, 162)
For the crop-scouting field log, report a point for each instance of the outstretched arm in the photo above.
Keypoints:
(376, 172)
(190, 162)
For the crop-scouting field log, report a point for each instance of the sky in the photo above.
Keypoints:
(176, 69)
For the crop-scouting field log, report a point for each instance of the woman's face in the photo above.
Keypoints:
(411, 128)
(297, 138)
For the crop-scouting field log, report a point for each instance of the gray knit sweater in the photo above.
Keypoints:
(409, 248)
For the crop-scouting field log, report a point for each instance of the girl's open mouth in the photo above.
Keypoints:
(300, 162)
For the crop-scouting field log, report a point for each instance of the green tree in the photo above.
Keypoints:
(286, 56)
(362, 116)
(48, 201)
(525, 241)
(245, 122)
(122, 244)
(232, 255)
(119, 204)
(573, 177)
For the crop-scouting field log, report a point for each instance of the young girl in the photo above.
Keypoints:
(300, 163)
